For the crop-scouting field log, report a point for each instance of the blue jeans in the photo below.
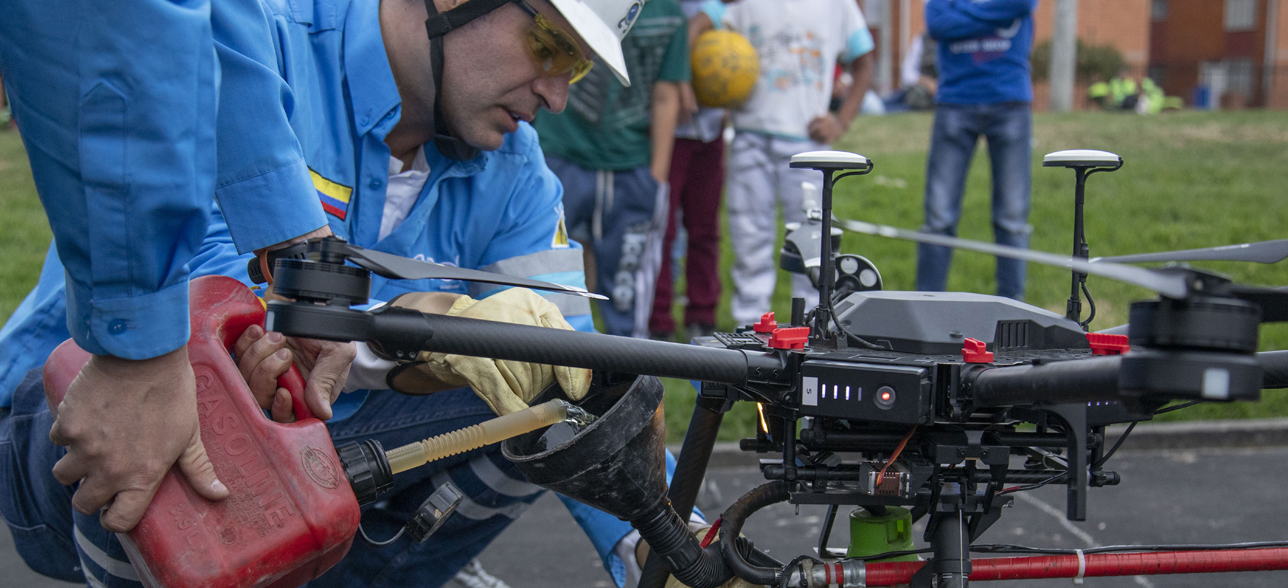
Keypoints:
(623, 213)
(1008, 130)
(56, 541)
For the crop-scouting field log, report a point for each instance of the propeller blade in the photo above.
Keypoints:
(1261, 252)
(1170, 285)
(402, 268)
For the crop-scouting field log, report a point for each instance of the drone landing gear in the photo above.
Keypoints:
(950, 567)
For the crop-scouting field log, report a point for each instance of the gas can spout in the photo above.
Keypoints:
(496, 430)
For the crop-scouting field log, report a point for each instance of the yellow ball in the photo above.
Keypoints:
(725, 68)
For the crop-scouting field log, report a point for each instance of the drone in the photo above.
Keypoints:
(883, 400)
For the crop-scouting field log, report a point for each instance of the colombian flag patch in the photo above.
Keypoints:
(334, 197)
(560, 239)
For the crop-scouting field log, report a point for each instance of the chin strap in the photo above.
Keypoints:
(437, 25)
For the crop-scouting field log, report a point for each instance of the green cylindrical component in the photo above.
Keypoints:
(872, 534)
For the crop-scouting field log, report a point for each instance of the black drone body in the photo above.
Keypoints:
(945, 403)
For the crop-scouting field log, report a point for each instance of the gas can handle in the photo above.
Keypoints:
(293, 381)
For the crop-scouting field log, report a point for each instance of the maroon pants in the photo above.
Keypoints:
(697, 178)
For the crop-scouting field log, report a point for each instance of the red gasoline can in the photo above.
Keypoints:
(291, 514)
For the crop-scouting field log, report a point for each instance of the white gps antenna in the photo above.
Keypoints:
(1083, 162)
(828, 162)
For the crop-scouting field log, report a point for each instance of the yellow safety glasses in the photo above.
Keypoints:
(552, 48)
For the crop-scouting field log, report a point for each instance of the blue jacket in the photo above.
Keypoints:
(117, 105)
(984, 48)
(501, 211)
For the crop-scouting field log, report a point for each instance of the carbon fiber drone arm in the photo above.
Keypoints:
(401, 333)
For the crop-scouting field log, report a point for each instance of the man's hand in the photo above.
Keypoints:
(506, 386)
(325, 367)
(826, 129)
(264, 357)
(124, 424)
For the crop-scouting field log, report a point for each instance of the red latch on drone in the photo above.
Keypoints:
(767, 324)
(1105, 344)
(789, 338)
(976, 351)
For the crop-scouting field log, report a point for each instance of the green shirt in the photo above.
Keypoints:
(606, 126)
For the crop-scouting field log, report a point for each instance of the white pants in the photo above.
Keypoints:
(759, 177)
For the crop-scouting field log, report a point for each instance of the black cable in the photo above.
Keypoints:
(1091, 303)
(1034, 485)
(1131, 426)
(1113, 449)
(844, 332)
(890, 554)
(1003, 548)
(1179, 406)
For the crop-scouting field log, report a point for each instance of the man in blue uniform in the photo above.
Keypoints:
(118, 111)
(390, 143)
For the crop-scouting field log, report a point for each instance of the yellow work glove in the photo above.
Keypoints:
(506, 386)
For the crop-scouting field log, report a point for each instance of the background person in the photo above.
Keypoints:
(984, 91)
(612, 151)
(798, 42)
(697, 180)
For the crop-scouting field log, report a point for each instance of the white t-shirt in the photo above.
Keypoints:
(799, 43)
(403, 190)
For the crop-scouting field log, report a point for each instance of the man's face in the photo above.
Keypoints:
(490, 82)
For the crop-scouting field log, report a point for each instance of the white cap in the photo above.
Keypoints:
(603, 23)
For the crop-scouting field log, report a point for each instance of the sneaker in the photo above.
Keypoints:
(474, 576)
(661, 336)
(700, 330)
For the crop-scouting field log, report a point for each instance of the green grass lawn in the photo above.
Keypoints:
(1190, 179)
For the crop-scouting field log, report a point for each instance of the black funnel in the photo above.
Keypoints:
(616, 464)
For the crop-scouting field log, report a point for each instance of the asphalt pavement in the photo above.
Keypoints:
(1210, 495)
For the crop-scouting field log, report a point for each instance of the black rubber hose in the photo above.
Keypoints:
(671, 542)
(690, 469)
(1274, 369)
(733, 519)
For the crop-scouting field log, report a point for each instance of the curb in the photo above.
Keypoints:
(1203, 434)
(1146, 437)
